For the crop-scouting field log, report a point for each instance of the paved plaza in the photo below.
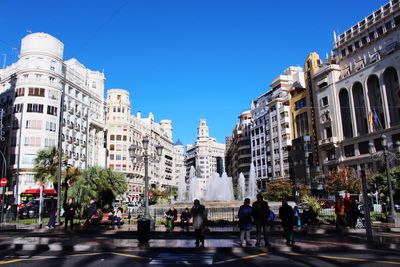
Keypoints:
(315, 246)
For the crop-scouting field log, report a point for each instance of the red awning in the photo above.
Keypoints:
(37, 191)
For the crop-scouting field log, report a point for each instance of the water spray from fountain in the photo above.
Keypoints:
(241, 187)
(182, 188)
(252, 186)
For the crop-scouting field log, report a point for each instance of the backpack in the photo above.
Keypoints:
(271, 216)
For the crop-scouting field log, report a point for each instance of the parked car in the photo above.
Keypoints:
(31, 209)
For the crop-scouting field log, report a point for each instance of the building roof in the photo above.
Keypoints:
(178, 143)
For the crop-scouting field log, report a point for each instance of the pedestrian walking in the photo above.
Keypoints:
(185, 219)
(199, 216)
(118, 216)
(287, 217)
(245, 222)
(69, 211)
(52, 210)
(339, 211)
(260, 214)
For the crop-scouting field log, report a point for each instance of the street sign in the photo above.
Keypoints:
(3, 182)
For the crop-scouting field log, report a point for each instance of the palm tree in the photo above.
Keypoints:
(71, 176)
(100, 184)
(46, 164)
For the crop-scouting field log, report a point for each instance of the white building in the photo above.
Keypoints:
(358, 91)
(124, 130)
(31, 91)
(206, 155)
(271, 127)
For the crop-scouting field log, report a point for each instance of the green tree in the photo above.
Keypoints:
(70, 177)
(378, 182)
(101, 184)
(46, 164)
(276, 190)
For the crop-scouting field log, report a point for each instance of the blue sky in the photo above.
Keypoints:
(185, 60)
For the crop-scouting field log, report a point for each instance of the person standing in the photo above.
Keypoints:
(199, 216)
(69, 210)
(185, 219)
(347, 209)
(260, 214)
(287, 217)
(53, 210)
(339, 211)
(245, 222)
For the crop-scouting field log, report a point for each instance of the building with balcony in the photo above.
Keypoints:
(271, 130)
(357, 90)
(124, 130)
(206, 155)
(238, 149)
(40, 91)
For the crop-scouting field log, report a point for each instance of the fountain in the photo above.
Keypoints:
(193, 185)
(182, 188)
(219, 188)
(252, 186)
(241, 187)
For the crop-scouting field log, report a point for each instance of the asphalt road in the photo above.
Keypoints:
(204, 257)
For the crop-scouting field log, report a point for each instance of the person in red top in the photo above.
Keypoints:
(339, 211)
(347, 209)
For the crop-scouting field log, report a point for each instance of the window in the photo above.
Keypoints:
(300, 103)
(371, 36)
(93, 84)
(380, 31)
(33, 124)
(36, 92)
(18, 108)
(349, 151)
(350, 48)
(363, 147)
(357, 44)
(117, 157)
(343, 52)
(388, 26)
(32, 141)
(119, 137)
(328, 132)
(37, 108)
(111, 147)
(397, 21)
(52, 110)
(330, 154)
(49, 142)
(364, 40)
(324, 101)
(51, 79)
(112, 137)
(51, 126)
(19, 92)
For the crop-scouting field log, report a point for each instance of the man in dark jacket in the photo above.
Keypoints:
(287, 217)
(260, 213)
(199, 216)
(69, 209)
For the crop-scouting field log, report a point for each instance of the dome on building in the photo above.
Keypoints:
(41, 44)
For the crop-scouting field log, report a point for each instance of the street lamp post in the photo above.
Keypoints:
(144, 222)
(387, 157)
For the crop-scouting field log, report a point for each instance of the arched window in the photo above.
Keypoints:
(375, 100)
(345, 113)
(391, 81)
(359, 107)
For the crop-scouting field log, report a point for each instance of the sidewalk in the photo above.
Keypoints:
(323, 237)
